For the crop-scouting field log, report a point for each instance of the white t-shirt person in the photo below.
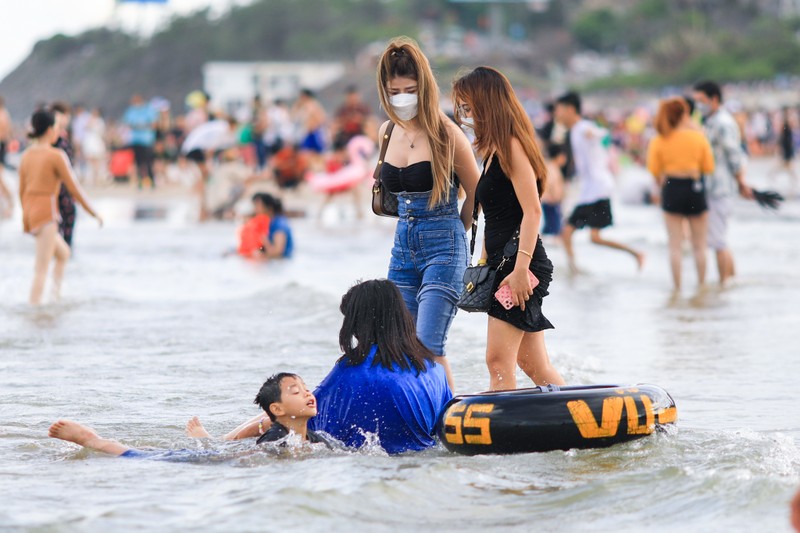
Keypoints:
(591, 162)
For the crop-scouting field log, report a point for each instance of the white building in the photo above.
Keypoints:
(232, 85)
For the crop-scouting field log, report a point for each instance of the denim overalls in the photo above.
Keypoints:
(429, 257)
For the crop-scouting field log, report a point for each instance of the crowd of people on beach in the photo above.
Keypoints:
(394, 378)
(223, 157)
(227, 158)
(214, 151)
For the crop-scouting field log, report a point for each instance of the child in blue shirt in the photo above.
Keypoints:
(279, 243)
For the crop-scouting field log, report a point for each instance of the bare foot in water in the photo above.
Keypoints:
(85, 436)
(72, 432)
(196, 430)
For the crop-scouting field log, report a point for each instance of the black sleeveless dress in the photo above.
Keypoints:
(503, 215)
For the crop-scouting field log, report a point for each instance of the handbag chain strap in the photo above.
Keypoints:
(384, 145)
(475, 209)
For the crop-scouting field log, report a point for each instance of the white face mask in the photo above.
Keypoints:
(704, 108)
(404, 105)
(467, 123)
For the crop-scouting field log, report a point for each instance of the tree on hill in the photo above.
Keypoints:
(104, 67)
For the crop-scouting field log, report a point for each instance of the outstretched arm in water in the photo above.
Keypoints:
(250, 429)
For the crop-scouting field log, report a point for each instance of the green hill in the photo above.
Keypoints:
(677, 41)
(104, 67)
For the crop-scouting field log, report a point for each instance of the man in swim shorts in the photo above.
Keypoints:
(284, 397)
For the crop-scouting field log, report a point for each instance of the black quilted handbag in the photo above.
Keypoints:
(479, 280)
(478, 283)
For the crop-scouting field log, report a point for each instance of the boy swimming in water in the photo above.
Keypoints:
(283, 396)
(289, 405)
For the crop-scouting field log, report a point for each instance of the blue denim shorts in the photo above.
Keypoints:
(429, 257)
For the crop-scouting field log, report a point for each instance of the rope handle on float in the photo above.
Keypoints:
(549, 388)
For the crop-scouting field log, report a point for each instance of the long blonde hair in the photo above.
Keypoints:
(499, 116)
(403, 58)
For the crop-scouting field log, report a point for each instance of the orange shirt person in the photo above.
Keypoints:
(255, 230)
(42, 170)
(678, 157)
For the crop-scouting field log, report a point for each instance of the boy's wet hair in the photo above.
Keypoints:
(270, 392)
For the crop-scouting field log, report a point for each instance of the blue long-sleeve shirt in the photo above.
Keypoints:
(400, 407)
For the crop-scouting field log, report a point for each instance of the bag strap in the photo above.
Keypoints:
(475, 209)
(474, 229)
(384, 145)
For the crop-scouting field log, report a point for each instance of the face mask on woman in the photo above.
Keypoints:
(404, 105)
(467, 124)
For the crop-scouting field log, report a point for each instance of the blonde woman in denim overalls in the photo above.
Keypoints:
(427, 159)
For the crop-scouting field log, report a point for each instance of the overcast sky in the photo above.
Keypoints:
(24, 22)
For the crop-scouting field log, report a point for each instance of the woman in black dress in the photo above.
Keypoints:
(508, 192)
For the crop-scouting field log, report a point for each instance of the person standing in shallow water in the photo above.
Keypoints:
(142, 119)
(42, 170)
(428, 157)
(678, 157)
(728, 176)
(508, 191)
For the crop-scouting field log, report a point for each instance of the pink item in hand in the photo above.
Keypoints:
(503, 294)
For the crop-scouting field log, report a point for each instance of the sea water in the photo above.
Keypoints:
(156, 326)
